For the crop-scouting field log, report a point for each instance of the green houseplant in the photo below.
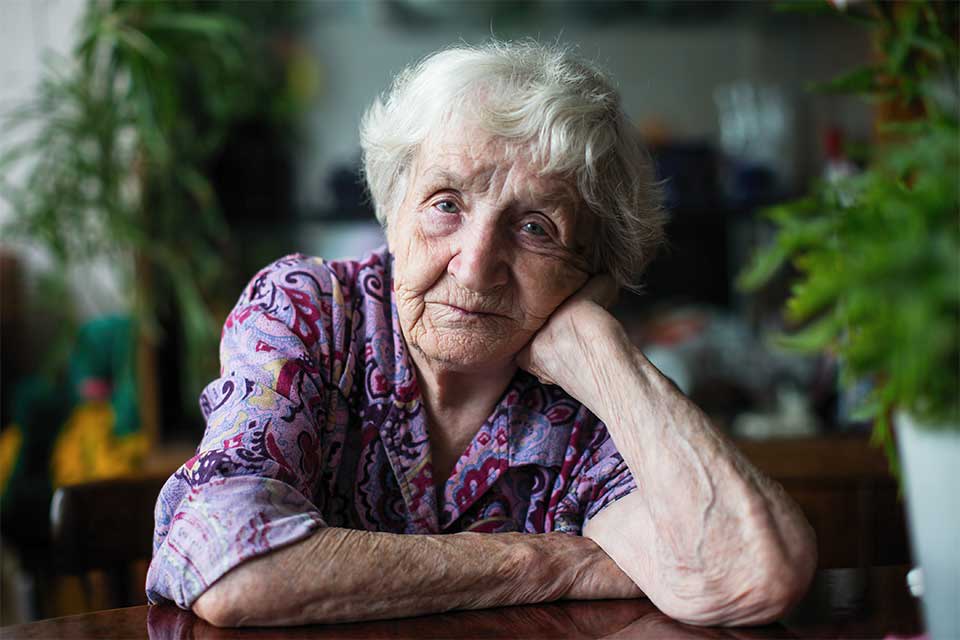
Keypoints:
(110, 148)
(878, 253)
(117, 158)
(115, 161)
(117, 141)
(878, 262)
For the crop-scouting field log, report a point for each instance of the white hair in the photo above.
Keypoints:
(540, 98)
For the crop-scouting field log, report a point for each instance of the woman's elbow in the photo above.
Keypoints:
(778, 574)
(213, 607)
(780, 580)
(229, 602)
(776, 595)
(790, 568)
(754, 603)
(758, 593)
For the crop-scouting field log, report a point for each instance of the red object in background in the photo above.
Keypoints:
(833, 143)
(95, 389)
(836, 163)
(674, 328)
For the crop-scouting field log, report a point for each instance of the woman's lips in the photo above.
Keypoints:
(462, 312)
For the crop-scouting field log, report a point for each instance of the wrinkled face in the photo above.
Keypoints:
(485, 249)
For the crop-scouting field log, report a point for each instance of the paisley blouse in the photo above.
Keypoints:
(317, 421)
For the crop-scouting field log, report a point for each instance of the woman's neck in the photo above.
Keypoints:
(458, 402)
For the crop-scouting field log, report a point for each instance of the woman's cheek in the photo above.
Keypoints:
(424, 258)
(548, 284)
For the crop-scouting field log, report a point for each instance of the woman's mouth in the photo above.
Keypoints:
(466, 313)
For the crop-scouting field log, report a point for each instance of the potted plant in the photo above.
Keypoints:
(878, 262)
(119, 142)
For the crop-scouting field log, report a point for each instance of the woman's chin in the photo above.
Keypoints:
(470, 354)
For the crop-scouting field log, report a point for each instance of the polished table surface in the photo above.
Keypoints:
(841, 603)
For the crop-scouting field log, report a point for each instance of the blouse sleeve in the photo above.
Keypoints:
(600, 477)
(250, 487)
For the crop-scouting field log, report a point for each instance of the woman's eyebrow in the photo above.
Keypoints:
(554, 195)
(559, 200)
(445, 177)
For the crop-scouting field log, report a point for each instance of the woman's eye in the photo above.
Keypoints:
(534, 229)
(447, 206)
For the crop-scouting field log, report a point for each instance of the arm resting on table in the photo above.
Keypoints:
(709, 539)
(342, 575)
(705, 535)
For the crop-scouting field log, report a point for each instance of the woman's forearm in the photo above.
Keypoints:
(707, 536)
(341, 575)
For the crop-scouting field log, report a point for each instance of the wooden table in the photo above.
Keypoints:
(847, 603)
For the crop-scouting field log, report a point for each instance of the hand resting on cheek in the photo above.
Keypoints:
(549, 353)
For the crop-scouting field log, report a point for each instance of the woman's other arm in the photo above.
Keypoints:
(342, 575)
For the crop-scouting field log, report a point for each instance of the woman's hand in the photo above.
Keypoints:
(556, 353)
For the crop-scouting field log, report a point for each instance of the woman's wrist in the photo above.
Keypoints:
(599, 355)
(573, 567)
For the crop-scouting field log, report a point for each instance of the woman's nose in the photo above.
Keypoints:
(479, 264)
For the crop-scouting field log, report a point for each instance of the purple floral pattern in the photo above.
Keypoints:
(317, 421)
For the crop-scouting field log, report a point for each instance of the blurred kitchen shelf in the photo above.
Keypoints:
(832, 457)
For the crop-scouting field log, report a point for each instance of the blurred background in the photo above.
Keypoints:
(156, 155)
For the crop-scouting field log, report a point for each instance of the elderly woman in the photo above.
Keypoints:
(455, 421)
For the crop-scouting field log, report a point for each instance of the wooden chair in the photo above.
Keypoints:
(106, 526)
(844, 486)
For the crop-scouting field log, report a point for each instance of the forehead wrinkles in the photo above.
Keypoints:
(463, 161)
(492, 164)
